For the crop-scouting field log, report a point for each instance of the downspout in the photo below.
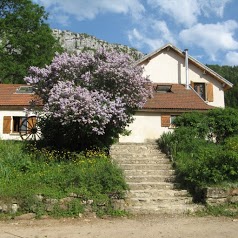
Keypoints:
(186, 69)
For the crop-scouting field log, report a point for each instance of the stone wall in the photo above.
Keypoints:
(48, 204)
(216, 196)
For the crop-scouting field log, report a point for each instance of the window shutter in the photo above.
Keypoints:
(6, 124)
(209, 88)
(165, 120)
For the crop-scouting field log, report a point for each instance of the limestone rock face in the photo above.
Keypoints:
(78, 42)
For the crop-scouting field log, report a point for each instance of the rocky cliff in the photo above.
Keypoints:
(78, 42)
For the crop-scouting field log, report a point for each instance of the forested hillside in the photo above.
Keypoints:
(231, 74)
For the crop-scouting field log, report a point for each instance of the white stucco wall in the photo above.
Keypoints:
(165, 67)
(12, 135)
(146, 127)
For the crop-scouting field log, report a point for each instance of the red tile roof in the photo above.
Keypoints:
(178, 98)
(10, 98)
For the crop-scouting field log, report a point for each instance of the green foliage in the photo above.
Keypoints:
(182, 139)
(25, 173)
(223, 123)
(204, 147)
(167, 143)
(231, 74)
(25, 39)
(196, 121)
(202, 166)
(231, 144)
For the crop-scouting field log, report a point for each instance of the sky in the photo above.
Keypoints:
(207, 28)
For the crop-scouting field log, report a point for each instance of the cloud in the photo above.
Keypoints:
(187, 12)
(151, 35)
(184, 12)
(231, 58)
(89, 9)
(140, 41)
(212, 38)
(213, 7)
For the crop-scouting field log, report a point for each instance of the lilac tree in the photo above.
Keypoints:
(88, 98)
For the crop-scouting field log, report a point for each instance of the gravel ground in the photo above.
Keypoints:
(140, 227)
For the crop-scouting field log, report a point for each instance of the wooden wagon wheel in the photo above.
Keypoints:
(29, 129)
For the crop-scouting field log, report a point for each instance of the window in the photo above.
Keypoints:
(12, 124)
(16, 124)
(25, 90)
(172, 118)
(17, 121)
(159, 88)
(204, 90)
(200, 89)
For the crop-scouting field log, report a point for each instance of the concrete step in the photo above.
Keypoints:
(146, 166)
(145, 155)
(143, 161)
(134, 148)
(158, 193)
(137, 154)
(140, 172)
(135, 145)
(171, 209)
(150, 178)
(160, 201)
(151, 185)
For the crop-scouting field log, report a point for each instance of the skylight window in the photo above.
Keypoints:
(25, 90)
(163, 88)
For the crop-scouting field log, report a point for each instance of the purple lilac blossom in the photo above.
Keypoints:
(94, 90)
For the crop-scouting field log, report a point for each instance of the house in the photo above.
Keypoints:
(180, 84)
(14, 99)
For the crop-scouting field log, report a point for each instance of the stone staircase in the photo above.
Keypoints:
(151, 180)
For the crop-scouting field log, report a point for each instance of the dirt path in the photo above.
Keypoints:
(138, 227)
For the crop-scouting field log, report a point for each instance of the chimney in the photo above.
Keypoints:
(186, 68)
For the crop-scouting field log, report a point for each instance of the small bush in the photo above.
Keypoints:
(199, 167)
(167, 144)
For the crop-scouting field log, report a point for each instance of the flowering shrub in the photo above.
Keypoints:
(89, 98)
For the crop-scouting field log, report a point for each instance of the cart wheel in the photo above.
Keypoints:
(29, 129)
